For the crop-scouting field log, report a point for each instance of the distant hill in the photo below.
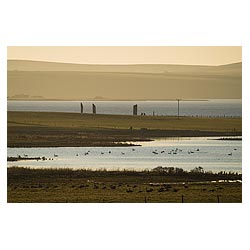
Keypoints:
(141, 81)
(26, 65)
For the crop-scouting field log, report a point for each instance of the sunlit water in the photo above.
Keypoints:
(208, 153)
(187, 108)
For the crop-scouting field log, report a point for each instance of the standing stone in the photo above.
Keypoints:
(81, 108)
(94, 108)
(135, 109)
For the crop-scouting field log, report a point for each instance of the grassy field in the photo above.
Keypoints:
(75, 120)
(67, 185)
(72, 129)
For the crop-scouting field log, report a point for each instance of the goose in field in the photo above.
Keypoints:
(129, 191)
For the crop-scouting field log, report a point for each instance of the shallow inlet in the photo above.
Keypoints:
(187, 153)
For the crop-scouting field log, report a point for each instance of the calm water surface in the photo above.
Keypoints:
(208, 153)
(187, 108)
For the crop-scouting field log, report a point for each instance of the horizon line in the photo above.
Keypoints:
(123, 64)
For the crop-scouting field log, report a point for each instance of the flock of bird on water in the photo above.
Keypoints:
(155, 152)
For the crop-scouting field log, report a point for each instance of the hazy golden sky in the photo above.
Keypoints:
(195, 55)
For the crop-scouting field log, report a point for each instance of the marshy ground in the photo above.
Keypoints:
(67, 185)
(44, 129)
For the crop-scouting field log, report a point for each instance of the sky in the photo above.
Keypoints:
(188, 55)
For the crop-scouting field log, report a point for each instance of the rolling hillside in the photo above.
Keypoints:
(149, 81)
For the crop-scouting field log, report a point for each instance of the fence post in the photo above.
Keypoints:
(145, 199)
(182, 199)
(218, 198)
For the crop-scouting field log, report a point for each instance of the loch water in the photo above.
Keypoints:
(187, 153)
(213, 107)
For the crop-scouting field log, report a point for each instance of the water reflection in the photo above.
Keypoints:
(186, 153)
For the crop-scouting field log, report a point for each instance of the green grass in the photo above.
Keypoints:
(41, 129)
(74, 120)
(67, 185)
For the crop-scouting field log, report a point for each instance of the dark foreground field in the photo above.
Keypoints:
(44, 129)
(66, 185)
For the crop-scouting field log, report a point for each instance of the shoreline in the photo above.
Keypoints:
(126, 144)
(112, 100)
(46, 129)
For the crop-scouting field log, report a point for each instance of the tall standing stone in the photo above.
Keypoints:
(94, 108)
(81, 108)
(135, 109)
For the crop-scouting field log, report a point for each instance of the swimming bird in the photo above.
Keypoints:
(230, 154)
(55, 155)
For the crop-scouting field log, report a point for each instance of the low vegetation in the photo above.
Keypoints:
(158, 185)
(44, 129)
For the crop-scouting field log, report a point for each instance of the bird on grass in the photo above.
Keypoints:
(149, 190)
